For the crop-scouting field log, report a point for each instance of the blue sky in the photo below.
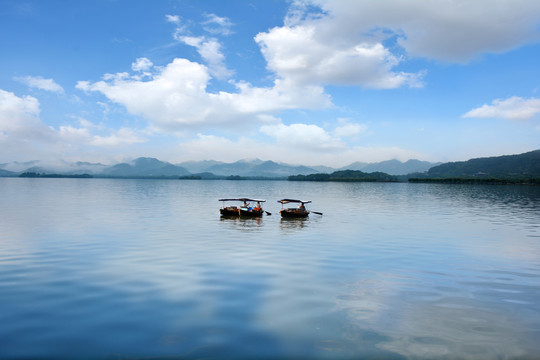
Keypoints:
(302, 82)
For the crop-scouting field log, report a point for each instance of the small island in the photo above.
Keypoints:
(54, 176)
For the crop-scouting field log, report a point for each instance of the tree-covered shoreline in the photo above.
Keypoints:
(346, 176)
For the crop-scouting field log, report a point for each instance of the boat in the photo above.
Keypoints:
(294, 212)
(248, 208)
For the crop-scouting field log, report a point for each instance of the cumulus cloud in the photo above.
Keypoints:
(340, 43)
(19, 117)
(350, 43)
(142, 64)
(453, 31)
(22, 131)
(304, 54)
(176, 98)
(210, 51)
(321, 43)
(513, 108)
(41, 83)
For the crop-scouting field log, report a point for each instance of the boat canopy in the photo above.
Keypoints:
(286, 201)
(243, 199)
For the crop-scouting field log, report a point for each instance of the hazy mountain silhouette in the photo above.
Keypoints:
(145, 167)
(522, 165)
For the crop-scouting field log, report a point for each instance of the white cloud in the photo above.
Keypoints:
(304, 54)
(83, 136)
(75, 135)
(208, 48)
(23, 134)
(210, 51)
(19, 117)
(205, 147)
(513, 108)
(142, 64)
(41, 83)
(348, 129)
(454, 31)
(175, 19)
(303, 136)
(120, 137)
(175, 98)
(217, 25)
(364, 42)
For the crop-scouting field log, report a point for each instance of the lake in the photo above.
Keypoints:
(113, 268)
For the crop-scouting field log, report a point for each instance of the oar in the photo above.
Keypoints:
(316, 212)
(267, 213)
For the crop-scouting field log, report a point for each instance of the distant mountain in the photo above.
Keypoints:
(323, 169)
(6, 173)
(273, 169)
(195, 167)
(520, 166)
(525, 165)
(355, 166)
(258, 168)
(17, 167)
(55, 167)
(396, 167)
(151, 167)
(251, 168)
(81, 167)
(145, 167)
(240, 167)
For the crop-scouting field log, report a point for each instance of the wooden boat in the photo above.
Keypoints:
(245, 209)
(294, 212)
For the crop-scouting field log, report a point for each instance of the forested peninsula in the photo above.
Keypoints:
(509, 169)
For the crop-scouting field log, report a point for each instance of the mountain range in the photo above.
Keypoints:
(508, 166)
(151, 167)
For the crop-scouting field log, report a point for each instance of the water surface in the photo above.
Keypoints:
(95, 268)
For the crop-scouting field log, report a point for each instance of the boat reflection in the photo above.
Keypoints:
(242, 223)
(288, 224)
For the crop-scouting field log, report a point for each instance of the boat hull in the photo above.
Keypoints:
(251, 213)
(233, 211)
(230, 211)
(294, 213)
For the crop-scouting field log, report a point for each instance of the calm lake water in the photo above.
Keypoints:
(98, 268)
